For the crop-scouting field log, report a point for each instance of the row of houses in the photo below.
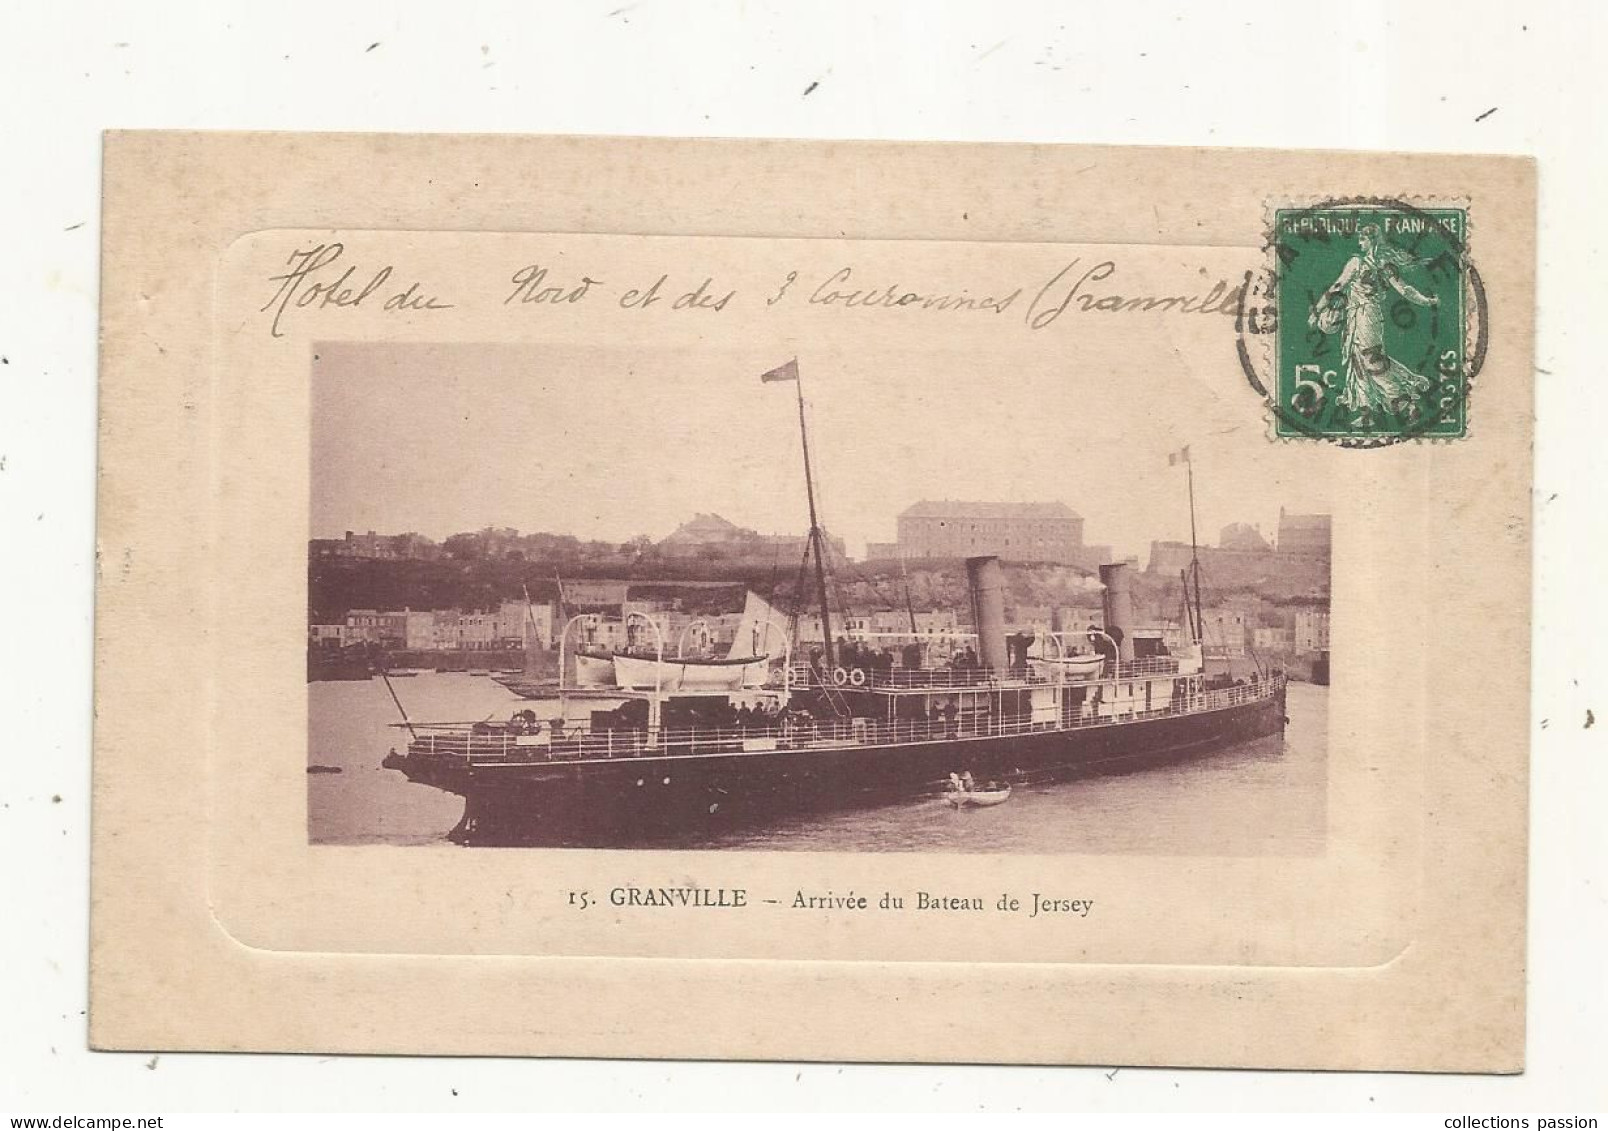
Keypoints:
(887, 622)
(1308, 633)
(1226, 630)
(516, 625)
(425, 630)
(1229, 630)
(623, 624)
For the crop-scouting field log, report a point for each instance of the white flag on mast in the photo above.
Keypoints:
(1178, 457)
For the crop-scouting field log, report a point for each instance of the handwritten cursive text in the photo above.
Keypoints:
(299, 290)
(1067, 290)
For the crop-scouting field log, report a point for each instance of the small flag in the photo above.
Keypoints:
(1178, 457)
(788, 372)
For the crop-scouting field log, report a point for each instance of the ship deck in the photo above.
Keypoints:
(913, 681)
(500, 744)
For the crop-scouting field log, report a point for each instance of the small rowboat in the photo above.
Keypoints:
(982, 798)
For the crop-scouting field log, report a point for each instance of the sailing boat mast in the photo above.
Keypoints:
(816, 539)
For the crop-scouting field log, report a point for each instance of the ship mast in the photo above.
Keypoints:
(816, 538)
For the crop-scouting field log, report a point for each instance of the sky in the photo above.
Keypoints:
(626, 439)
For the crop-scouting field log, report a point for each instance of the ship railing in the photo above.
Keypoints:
(854, 679)
(1147, 665)
(804, 675)
(501, 745)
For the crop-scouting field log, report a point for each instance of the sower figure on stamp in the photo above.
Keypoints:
(1355, 305)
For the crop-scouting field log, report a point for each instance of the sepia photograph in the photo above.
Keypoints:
(568, 597)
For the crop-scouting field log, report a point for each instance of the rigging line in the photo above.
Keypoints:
(847, 566)
(776, 569)
(799, 600)
(850, 567)
(1217, 596)
(1200, 609)
(405, 720)
(1219, 635)
(828, 553)
(833, 563)
(910, 607)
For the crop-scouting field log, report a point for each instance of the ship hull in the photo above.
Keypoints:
(679, 799)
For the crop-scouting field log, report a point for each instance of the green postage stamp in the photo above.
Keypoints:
(1373, 300)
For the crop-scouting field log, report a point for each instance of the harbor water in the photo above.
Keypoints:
(1261, 798)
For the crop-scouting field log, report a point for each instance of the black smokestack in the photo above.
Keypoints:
(1118, 601)
(987, 582)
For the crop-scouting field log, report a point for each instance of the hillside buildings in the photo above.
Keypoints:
(1243, 558)
(1304, 535)
(1273, 638)
(1243, 536)
(375, 547)
(711, 536)
(1019, 532)
(1311, 630)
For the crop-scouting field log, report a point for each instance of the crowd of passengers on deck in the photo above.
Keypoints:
(877, 665)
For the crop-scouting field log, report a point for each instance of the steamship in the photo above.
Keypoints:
(644, 747)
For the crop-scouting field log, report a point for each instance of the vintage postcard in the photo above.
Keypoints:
(604, 597)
